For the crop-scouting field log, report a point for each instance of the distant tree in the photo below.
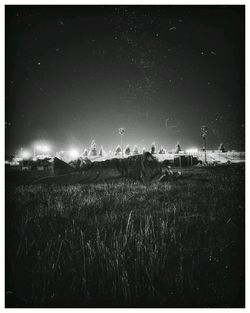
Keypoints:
(102, 153)
(222, 147)
(93, 150)
(162, 150)
(144, 150)
(118, 150)
(127, 150)
(135, 150)
(153, 148)
(177, 147)
(85, 152)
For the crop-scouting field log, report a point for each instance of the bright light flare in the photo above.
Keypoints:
(38, 147)
(42, 148)
(192, 151)
(45, 149)
(25, 154)
(73, 153)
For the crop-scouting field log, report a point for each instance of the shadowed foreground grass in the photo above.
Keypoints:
(177, 244)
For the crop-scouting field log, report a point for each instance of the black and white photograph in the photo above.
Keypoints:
(124, 147)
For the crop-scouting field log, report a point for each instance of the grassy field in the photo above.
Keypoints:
(120, 244)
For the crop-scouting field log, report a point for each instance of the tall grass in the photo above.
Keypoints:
(177, 244)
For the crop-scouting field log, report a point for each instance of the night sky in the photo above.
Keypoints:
(77, 73)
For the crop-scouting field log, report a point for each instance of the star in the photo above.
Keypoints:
(39, 63)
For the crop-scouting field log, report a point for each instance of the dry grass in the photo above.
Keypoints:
(177, 244)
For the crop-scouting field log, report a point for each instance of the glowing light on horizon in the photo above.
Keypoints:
(73, 153)
(38, 147)
(45, 149)
(25, 154)
(192, 151)
(42, 148)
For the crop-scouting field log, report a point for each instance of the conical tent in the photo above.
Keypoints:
(153, 148)
(127, 150)
(135, 150)
(118, 150)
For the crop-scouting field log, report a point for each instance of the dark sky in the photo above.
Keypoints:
(77, 73)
